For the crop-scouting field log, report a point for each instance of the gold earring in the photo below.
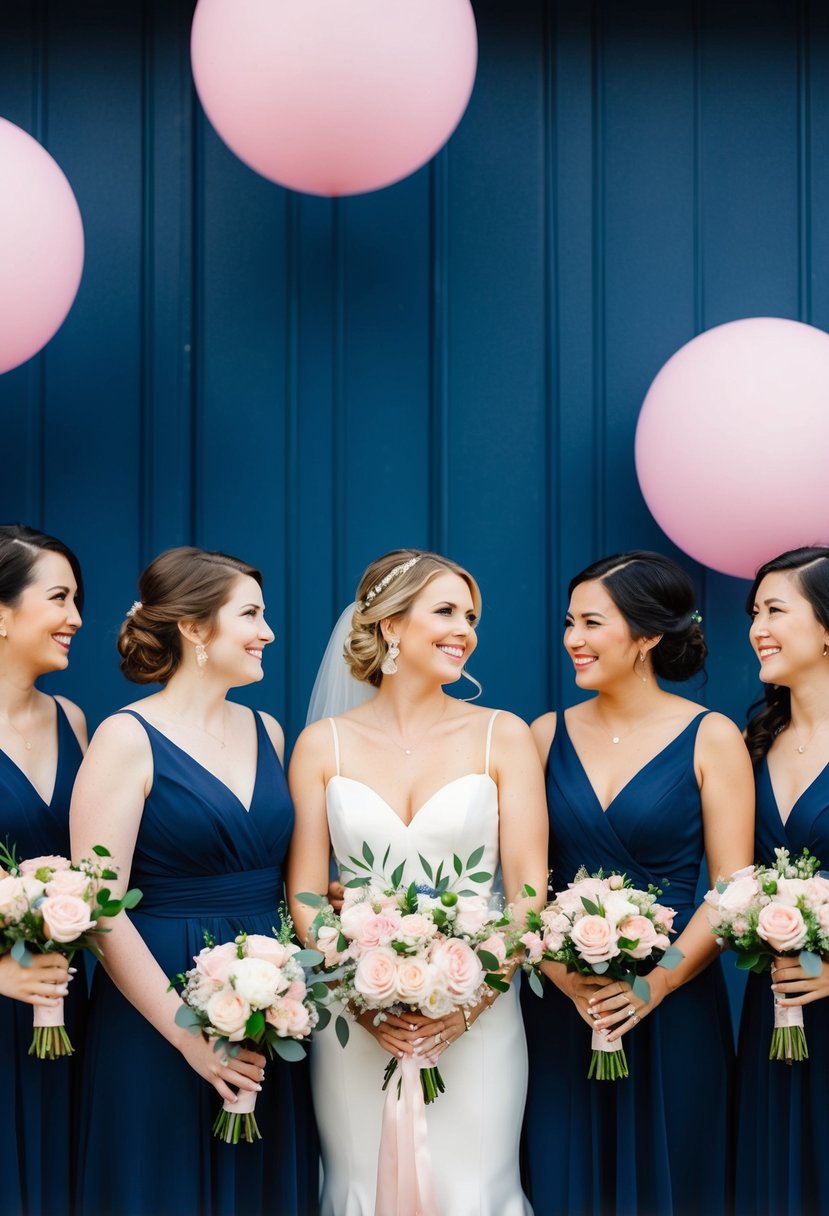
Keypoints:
(4, 634)
(643, 677)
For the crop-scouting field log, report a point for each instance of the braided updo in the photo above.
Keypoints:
(184, 584)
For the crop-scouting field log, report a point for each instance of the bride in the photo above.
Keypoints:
(417, 774)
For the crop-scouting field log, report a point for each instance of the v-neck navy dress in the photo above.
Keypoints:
(782, 1158)
(37, 1119)
(657, 1142)
(203, 862)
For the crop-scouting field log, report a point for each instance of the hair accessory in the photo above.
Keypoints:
(136, 604)
(388, 666)
(696, 616)
(392, 574)
(201, 654)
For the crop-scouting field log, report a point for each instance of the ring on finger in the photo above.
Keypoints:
(630, 1012)
(223, 1061)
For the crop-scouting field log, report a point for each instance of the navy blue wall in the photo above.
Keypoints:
(457, 361)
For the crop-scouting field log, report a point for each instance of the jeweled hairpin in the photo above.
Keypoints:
(392, 574)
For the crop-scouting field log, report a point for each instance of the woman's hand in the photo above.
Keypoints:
(221, 1070)
(581, 989)
(44, 982)
(791, 984)
(412, 1034)
(336, 895)
(617, 1010)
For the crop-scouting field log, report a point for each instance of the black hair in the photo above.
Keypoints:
(655, 596)
(20, 548)
(773, 711)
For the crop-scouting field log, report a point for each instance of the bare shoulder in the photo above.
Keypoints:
(123, 734)
(543, 731)
(507, 726)
(76, 718)
(275, 732)
(315, 745)
(717, 733)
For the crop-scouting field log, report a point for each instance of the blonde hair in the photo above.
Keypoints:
(365, 647)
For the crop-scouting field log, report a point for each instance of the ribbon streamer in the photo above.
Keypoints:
(405, 1186)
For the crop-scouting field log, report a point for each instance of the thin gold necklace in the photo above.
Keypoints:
(203, 729)
(800, 748)
(618, 738)
(408, 751)
(27, 743)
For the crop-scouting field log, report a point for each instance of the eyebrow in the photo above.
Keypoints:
(583, 615)
(252, 605)
(774, 599)
(58, 587)
(450, 604)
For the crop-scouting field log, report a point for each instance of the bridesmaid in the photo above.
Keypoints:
(782, 1166)
(41, 742)
(188, 790)
(643, 781)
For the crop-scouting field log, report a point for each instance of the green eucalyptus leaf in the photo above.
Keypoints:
(21, 954)
(811, 963)
(600, 968)
(188, 1019)
(323, 1018)
(536, 984)
(367, 853)
(488, 961)
(397, 874)
(641, 989)
(342, 1028)
(474, 858)
(458, 864)
(480, 876)
(308, 957)
(100, 851)
(495, 982)
(310, 898)
(255, 1024)
(427, 869)
(289, 1049)
(672, 956)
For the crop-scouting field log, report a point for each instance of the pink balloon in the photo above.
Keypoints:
(334, 97)
(731, 443)
(41, 246)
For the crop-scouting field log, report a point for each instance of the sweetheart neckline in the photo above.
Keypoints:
(423, 805)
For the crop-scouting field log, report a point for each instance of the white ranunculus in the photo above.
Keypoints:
(257, 981)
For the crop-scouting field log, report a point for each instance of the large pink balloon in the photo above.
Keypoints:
(41, 246)
(334, 96)
(731, 443)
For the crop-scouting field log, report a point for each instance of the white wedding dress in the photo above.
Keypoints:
(474, 1127)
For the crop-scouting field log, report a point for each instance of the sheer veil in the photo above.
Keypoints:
(335, 688)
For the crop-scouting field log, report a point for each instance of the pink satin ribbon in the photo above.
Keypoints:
(48, 1015)
(244, 1104)
(405, 1186)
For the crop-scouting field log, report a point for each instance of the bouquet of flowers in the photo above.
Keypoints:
(602, 925)
(431, 949)
(51, 906)
(763, 911)
(252, 992)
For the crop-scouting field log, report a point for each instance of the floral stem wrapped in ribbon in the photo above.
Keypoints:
(48, 905)
(602, 925)
(761, 912)
(252, 992)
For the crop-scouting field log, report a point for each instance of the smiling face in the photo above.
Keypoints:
(240, 635)
(785, 634)
(40, 627)
(597, 638)
(437, 634)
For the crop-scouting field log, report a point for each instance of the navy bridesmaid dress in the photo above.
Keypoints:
(782, 1162)
(657, 1142)
(37, 1117)
(204, 862)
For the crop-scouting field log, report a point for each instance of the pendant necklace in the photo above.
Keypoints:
(27, 743)
(408, 751)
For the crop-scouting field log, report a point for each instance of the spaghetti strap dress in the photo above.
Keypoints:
(782, 1163)
(205, 863)
(37, 1097)
(657, 1142)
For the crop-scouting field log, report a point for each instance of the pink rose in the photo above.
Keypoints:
(661, 941)
(351, 918)
(664, 916)
(415, 980)
(327, 938)
(376, 976)
(14, 901)
(65, 917)
(228, 1013)
(215, 963)
(258, 945)
(738, 896)
(790, 890)
(472, 912)
(49, 862)
(496, 945)
(415, 928)
(615, 882)
(378, 930)
(290, 1019)
(295, 991)
(71, 882)
(594, 939)
(782, 926)
(459, 968)
(641, 929)
(534, 947)
(739, 926)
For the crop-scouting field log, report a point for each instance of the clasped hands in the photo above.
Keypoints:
(607, 1006)
(415, 1034)
(792, 985)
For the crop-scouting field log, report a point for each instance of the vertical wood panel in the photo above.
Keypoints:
(456, 361)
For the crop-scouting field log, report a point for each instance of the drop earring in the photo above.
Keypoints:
(643, 677)
(389, 666)
(3, 632)
(201, 655)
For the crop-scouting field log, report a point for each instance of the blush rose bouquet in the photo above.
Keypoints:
(49, 905)
(430, 948)
(600, 924)
(764, 911)
(252, 992)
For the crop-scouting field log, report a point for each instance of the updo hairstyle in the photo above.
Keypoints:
(809, 569)
(365, 647)
(184, 584)
(655, 596)
(20, 549)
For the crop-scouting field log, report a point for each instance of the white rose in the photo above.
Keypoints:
(739, 896)
(472, 912)
(257, 981)
(617, 907)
